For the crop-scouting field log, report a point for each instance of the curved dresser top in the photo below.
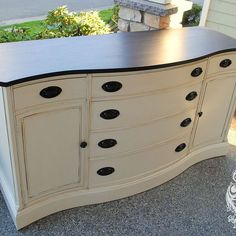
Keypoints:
(30, 60)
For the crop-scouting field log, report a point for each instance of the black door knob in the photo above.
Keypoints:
(110, 114)
(107, 143)
(181, 147)
(200, 113)
(186, 122)
(105, 171)
(83, 145)
(191, 96)
(112, 86)
(196, 72)
(225, 63)
(50, 92)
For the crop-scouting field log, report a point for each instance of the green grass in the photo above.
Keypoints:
(106, 15)
(33, 26)
(37, 26)
(33, 30)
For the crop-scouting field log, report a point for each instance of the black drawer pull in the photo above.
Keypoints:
(110, 114)
(105, 171)
(107, 143)
(225, 63)
(191, 96)
(196, 72)
(83, 145)
(181, 147)
(50, 92)
(186, 122)
(112, 86)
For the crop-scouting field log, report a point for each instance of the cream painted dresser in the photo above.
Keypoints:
(92, 119)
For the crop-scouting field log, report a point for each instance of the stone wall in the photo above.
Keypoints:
(144, 15)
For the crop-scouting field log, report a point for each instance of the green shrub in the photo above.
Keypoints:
(91, 24)
(115, 18)
(15, 34)
(62, 23)
(192, 17)
(59, 23)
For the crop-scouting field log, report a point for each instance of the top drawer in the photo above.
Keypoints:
(146, 81)
(51, 91)
(222, 63)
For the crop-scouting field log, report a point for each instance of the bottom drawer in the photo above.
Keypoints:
(115, 170)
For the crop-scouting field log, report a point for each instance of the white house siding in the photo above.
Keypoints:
(221, 16)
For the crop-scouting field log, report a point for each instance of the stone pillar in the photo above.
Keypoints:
(144, 15)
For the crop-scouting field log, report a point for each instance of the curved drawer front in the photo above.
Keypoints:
(138, 137)
(222, 63)
(122, 169)
(46, 92)
(142, 109)
(146, 81)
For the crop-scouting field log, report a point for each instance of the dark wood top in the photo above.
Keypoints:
(30, 60)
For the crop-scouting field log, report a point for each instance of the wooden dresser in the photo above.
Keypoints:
(92, 119)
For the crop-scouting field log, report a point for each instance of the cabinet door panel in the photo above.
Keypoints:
(51, 149)
(215, 108)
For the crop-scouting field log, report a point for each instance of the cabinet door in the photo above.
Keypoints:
(216, 108)
(51, 145)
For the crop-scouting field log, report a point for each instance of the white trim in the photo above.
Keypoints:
(205, 11)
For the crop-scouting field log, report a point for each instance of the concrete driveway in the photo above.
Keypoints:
(11, 10)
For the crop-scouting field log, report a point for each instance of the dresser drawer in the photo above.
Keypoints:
(139, 137)
(146, 81)
(142, 109)
(222, 63)
(115, 170)
(46, 92)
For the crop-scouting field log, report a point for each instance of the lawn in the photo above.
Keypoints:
(37, 26)
(34, 26)
(106, 15)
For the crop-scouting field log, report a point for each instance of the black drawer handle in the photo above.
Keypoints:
(112, 86)
(196, 72)
(191, 96)
(50, 92)
(110, 114)
(186, 122)
(106, 171)
(181, 147)
(225, 63)
(107, 143)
